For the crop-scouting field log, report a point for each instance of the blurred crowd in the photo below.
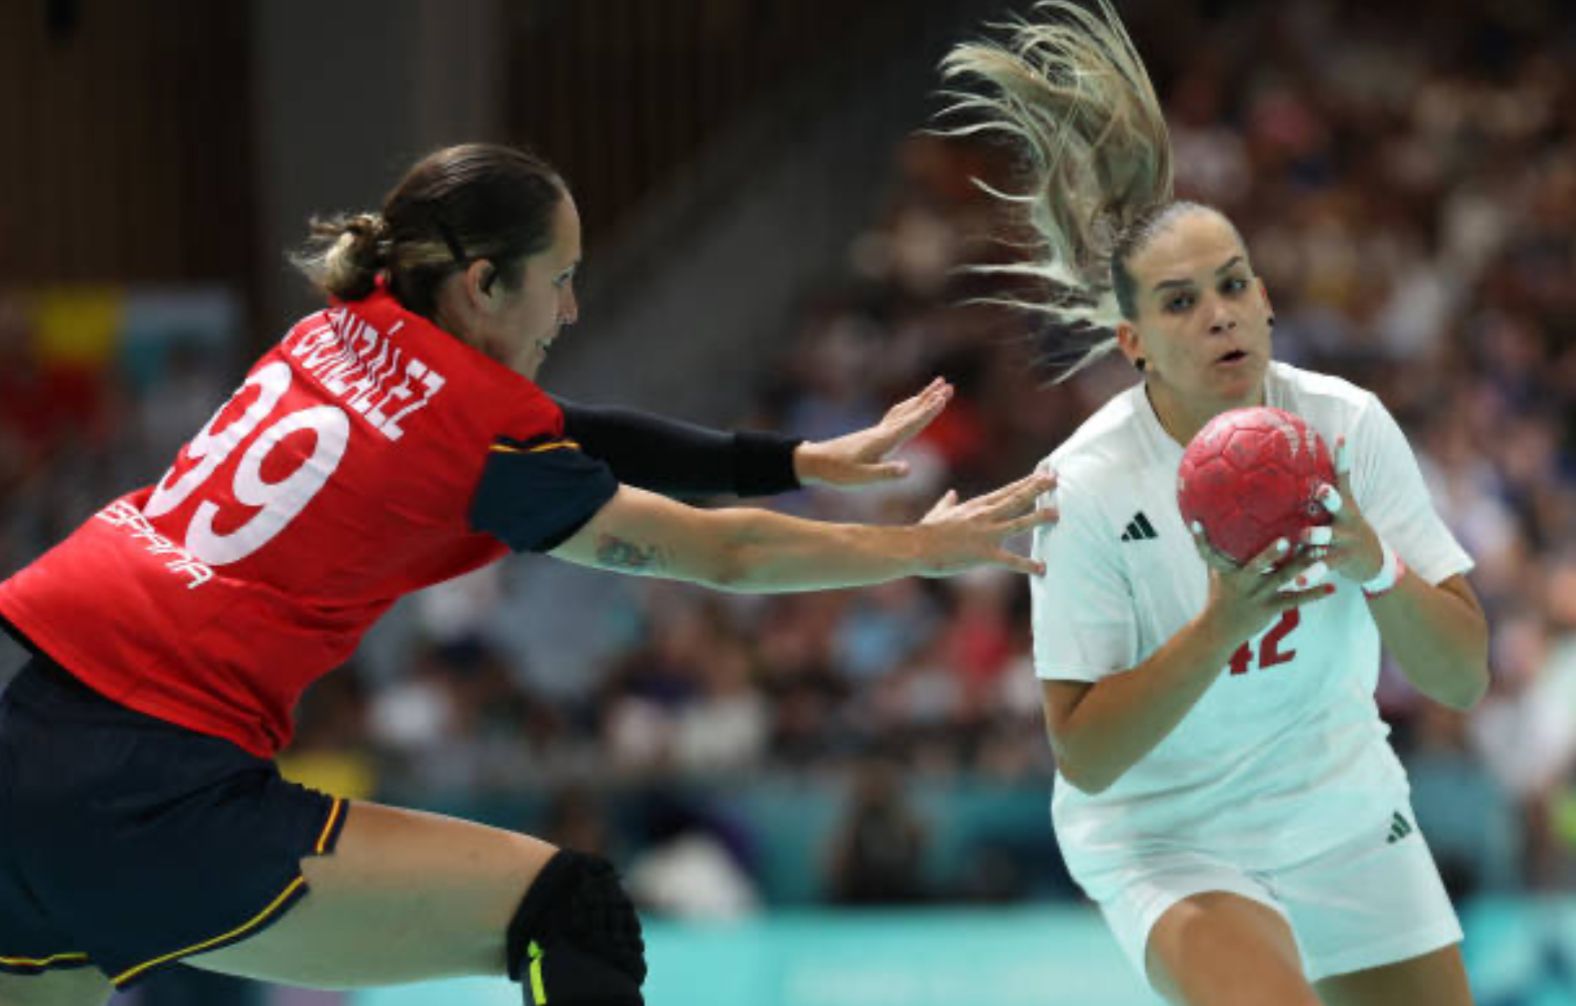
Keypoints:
(1407, 190)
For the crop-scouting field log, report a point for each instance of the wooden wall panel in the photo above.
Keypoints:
(619, 93)
(125, 141)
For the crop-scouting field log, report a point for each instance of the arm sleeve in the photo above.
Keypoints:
(535, 494)
(676, 458)
(1394, 498)
(1082, 608)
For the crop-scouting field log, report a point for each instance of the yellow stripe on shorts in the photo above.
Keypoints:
(328, 827)
(253, 923)
(556, 445)
(42, 962)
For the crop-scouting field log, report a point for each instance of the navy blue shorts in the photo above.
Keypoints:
(127, 843)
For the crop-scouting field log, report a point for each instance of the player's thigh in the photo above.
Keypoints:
(1220, 949)
(1438, 978)
(405, 896)
(76, 987)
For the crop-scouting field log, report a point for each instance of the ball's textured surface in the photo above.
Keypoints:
(1249, 477)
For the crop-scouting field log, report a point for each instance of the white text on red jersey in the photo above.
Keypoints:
(363, 367)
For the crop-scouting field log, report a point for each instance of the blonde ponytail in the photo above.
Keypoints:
(1071, 92)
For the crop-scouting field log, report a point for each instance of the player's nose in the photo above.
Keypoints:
(568, 306)
(1221, 319)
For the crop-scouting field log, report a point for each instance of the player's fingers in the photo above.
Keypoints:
(1025, 501)
(1212, 558)
(1311, 575)
(884, 471)
(908, 417)
(924, 406)
(1300, 564)
(1343, 462)
(1044, 468)
(1030, 521)
(1017, 497)
(913, 402)
(1330, 498)
(1019, 563)
(948, 500)
(1270, 558)
(1299, 598)
(1320, 535)
(1003, 495)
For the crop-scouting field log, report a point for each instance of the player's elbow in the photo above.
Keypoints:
(726, 562)
(728, 570)
(1077, 761)
(1083, 780)
(713, 552)
(1080, 772)
(1468, 688)
(1467, 679)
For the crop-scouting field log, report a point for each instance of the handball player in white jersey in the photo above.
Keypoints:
(1225, 789)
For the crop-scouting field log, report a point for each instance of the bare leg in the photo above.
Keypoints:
(406, 896)
(1220, 949)
(1438, 978)
(76, 987)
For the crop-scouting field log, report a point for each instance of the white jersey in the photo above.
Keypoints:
(1285, 754)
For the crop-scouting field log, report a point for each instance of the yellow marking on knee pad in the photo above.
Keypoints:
(538, 991)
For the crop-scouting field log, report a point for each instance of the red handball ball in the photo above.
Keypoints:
(1249, 477)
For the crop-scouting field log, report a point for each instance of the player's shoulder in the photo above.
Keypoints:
(1108, 443)
(1317, 396)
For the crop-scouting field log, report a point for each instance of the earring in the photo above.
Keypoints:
(1139, 363)
(1272, 321)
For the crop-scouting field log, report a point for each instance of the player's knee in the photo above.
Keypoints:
(575, 939)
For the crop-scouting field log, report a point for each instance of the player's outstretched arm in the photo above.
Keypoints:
(677, 458)
(747, 550)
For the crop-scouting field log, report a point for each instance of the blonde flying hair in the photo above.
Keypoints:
(1070, 90)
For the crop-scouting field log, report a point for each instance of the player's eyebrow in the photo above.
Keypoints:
(1168, 283)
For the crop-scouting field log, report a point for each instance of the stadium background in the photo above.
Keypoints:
(838, 798)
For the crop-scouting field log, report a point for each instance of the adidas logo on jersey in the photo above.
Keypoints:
(1399, 829)
(1139, 529)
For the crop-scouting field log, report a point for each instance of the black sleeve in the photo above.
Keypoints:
(676, 458)
(535, 494)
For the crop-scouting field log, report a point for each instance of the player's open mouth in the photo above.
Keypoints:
(1235, 356)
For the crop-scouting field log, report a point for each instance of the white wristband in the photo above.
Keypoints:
(1391, 569)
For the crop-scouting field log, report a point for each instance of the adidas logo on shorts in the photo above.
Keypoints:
(1400, 827)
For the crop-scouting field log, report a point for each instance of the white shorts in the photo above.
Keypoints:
(1367, 903)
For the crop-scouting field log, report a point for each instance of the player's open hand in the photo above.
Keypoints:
(861, 458)
(963, 535)
(1248, 596)
(1349, 544)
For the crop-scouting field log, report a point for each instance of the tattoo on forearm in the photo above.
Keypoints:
(617, 552)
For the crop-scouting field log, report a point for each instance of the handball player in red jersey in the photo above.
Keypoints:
(392, 441)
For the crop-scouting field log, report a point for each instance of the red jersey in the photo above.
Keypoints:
(336, 479)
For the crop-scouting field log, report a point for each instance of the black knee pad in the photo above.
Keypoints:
(575, 939)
